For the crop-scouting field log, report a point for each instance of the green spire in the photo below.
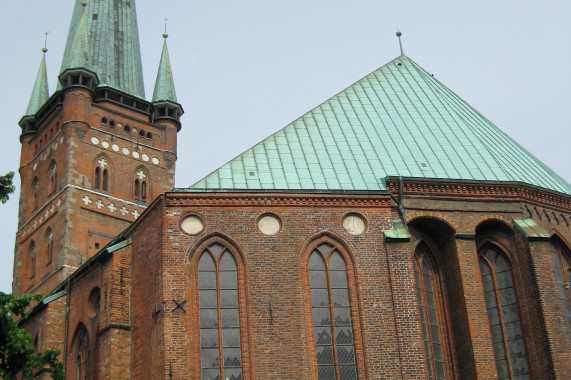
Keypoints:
(113, 44)
(40, 93)
(79, 57)
(164, 85)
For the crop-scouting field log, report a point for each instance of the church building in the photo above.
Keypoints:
(392, 232)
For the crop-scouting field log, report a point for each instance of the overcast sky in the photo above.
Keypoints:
(244, 69)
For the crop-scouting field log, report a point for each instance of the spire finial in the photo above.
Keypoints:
(45, 48)
(83, 4)
(165, 35)
(399, 34)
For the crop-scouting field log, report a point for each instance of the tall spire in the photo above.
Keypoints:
(40, 93)
(164, 85)
(113, 43)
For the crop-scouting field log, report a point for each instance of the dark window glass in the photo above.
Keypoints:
(332, 326)
(97, 178)
(503, 315)
(144, 190)
(425, 287)
(136, 189)
(219, 316)
(105, 182)
(562, 266)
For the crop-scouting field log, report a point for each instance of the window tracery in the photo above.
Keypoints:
(331, 310)
(220, 348)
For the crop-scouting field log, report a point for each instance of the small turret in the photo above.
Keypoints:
(164, 101)
(77, 73)
(40, 95)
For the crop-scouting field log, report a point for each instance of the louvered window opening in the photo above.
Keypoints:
(562, 264)
(424, 279)
(219, 315)
(332, 325)
(503, 316)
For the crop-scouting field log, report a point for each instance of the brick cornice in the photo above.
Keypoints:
(480, 191)
(277, 199)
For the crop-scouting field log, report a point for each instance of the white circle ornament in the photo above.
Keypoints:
(105, 144)
(354, 224)
(155, 161)
(192, 225)
(125, 151)
(269, 224)
(136, 154)
(145, 157)
(115, 147)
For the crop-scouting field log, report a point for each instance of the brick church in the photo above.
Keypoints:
(392, 232)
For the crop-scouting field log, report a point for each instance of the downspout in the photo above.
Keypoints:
(66, 326)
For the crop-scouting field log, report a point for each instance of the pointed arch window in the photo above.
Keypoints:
(36, 191)
(503, 315)
(101, 178)
(140, 185)
(53, 177)
(49, 246)
(220, 349)
(562, 265)
(32, 255)
(331, 310)
(80, 354)
(427, 289)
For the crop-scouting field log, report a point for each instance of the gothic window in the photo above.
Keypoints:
(331, 310)
(49, 246)
(53, 176)
(36, 191)
(503, 315)
(32, 255)
(562, 264)
(80, 353)
(426, 288)
(220, 350)
(140, 186)
(101, 179)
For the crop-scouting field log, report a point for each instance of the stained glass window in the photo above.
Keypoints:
(503, 315)
(429, 318)
(218, 313)
(562, 264)
(332, 325)
(81, 345)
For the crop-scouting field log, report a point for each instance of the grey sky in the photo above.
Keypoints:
(244, 69)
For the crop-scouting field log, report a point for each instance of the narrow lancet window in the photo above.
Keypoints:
(429, 318)
(332, 324)
(562, 265)
(503, 315)
(220, 349)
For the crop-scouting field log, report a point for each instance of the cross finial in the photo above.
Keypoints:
(45, 48)
(399, 34)
(165, 35)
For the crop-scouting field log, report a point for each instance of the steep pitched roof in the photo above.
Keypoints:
(164, 85)
(79, 53)
(114, 51)
(397, 121)
(40, 93)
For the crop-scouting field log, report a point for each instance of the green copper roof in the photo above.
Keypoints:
(114, 52)
(40, 93)
(164, 85)
(79, 54)
(397, 121)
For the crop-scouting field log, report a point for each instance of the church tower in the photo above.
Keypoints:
(95, 153)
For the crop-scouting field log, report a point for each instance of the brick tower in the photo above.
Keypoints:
(95, 153)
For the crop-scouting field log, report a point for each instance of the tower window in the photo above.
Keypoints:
(102, 174)
(332, 322)
(104, 121)
(49, 246)
(53, 177)
(503, 315)
(36, 192)
(140, 185)
(149, 135)
(127, 129)
(141, 133)
(112, 124)
(32, 254)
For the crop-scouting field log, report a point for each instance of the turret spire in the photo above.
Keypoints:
(40, 93)
(164, 85)
(80, 47)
